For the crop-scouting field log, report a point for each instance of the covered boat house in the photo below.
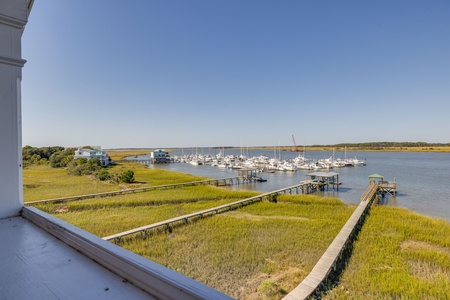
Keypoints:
(324, 179)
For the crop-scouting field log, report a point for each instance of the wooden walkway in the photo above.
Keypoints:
(207, 212)
(216, 182)
(334, 255)
(305, 186)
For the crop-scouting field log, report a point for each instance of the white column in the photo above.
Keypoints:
(13, 17)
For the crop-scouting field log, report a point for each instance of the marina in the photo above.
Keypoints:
(262, 162)
(421, 177)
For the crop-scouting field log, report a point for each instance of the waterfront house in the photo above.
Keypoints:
(101, 155)
(159, 156)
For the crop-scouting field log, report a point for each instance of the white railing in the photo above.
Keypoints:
(147, 275)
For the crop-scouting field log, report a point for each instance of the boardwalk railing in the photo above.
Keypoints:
(211, 211)
(219, 181)
(370, 191)
(335, 255)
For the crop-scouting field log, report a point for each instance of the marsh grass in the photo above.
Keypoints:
(180, 195)
(44, 182)
(111, 220)
(399, 255)
(259, 251)
(110, 215)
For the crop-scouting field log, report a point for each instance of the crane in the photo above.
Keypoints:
(295, 145)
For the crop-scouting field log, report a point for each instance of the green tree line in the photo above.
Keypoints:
(381, 145)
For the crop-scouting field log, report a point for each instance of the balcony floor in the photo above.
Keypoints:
(36, 265)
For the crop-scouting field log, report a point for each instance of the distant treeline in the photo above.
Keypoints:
(381, 145)
(366, 145)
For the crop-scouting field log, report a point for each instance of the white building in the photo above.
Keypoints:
(159, 156)
(101, 155)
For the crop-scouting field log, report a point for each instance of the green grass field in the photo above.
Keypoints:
(44, 182)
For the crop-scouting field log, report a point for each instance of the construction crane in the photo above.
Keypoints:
(295, 145)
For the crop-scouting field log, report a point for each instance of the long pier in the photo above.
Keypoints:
(334, 258)
(216, 182)
(305, 186)
(271, 196)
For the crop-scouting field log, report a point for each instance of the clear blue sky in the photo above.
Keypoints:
(158, 73)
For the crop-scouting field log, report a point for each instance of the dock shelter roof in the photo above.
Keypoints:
(376, 176)
(323, 174)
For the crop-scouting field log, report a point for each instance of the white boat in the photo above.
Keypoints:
(196, 162)
(287, 166)
(357, 162)
(305, 166)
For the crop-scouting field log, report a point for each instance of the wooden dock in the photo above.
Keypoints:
(168, 224)
(322, 180)
(246, 176)
(334, 257)
(216, 182)
(384, 187)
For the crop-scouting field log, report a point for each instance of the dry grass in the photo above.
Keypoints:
(412, 245)
(250, 217)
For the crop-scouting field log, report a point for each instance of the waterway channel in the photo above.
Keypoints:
(423, 178)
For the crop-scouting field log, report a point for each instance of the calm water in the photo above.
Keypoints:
(423, 179)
